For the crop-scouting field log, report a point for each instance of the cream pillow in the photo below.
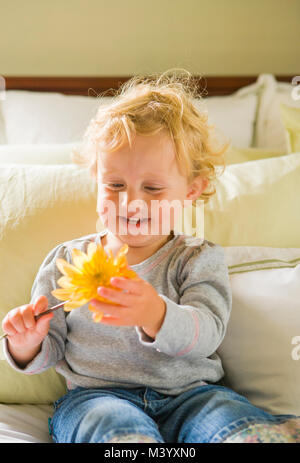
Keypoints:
(40, 207)
(237, 155)
(256, 204)
(291, 121)
(47, 153)
(261, 348)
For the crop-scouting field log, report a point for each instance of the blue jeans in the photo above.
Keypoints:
(208, 413)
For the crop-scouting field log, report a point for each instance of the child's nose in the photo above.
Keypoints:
(133, 203)
(134, 199)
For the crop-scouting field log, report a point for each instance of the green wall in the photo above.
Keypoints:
(123, 37)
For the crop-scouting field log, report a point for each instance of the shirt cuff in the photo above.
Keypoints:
(35, 365)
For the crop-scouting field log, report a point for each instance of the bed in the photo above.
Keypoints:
(257, 203)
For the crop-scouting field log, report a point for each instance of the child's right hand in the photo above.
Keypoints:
(24, 332)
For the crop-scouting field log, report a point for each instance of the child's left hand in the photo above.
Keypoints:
(139, 306)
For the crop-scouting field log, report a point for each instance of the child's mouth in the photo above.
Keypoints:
(136, 223)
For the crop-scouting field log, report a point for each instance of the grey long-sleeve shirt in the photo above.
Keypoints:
(191, 275)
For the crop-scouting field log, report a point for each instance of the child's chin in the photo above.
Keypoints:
(135, 230)
(146, 231)
(135, 236)
(141, 238)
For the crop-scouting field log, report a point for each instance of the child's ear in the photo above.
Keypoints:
(196, 187)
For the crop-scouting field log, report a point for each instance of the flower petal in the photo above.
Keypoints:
(79, 258)
(72, 305)
(61, 294)
(66, 268)
(80, 281)
(99, 315)
(65, 283)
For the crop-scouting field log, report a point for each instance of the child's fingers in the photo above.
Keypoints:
(43, 324)
(114, 295)
(28, 316)
(16, 320)
(106, 320)
(100, 317)
(40, 305)
(133, 286)
(8, 328)
(106, 309)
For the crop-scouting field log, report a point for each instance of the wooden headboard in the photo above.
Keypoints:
(85, 85)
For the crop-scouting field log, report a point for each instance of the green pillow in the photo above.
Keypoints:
(40, 207)
(257, 204)
(235, 155)
(291, 121)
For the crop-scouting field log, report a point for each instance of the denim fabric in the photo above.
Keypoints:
(208, 413)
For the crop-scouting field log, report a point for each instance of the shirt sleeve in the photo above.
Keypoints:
(195, 327)
(53, 345)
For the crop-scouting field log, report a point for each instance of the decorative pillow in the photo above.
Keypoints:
(291, 121)
(269, 129)
(256, 204)
(42, 117)
(47, 153)
(261, 348)
(232, 115)
(40, 207)
(236, 155)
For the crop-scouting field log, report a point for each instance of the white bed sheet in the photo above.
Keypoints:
(24, 423)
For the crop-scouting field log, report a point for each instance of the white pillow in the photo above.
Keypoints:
(47, 153)
(37, 117)
(270, 131)
(234, 116)
(2, 127)
(259, 358)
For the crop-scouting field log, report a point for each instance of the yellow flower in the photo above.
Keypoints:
(81, 280)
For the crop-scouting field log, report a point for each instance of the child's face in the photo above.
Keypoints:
(135, 181)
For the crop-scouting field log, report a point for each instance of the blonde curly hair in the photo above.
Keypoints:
(147, 105)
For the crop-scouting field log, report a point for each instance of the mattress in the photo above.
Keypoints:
(24, 423)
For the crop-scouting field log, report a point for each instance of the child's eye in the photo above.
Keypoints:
(152, 188)
(115, 185)
(120, 185)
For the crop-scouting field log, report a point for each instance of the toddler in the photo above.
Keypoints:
(149, 371)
